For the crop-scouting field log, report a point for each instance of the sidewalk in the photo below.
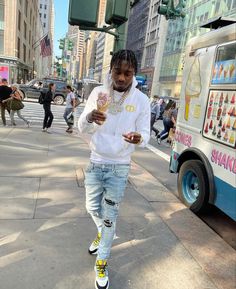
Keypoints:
(45, 230)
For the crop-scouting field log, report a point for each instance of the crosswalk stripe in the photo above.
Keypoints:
(34, 113)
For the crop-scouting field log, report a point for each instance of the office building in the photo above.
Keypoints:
(180, 31)
(20, 29)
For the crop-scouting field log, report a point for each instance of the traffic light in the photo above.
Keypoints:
(179, 8)
(62, 44)
(83, 13)
(168, 9)
(117, 11)
(163, 9)
(70, 45)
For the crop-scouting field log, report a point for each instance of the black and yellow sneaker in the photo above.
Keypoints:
(102, 280)
(95, 244)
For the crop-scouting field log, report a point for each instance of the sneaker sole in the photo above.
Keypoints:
(103, 286)
(94, 252)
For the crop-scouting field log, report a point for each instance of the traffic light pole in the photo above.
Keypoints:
(121, 39)
(119, 34)
(116, 16)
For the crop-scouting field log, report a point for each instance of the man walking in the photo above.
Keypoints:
(155, 113)
(5, 92)
(70, 107)
(118, 114)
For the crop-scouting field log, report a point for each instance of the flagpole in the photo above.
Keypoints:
(39, 40)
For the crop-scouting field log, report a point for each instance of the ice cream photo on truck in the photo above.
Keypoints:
(203, 152)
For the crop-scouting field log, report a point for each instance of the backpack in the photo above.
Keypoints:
(42, 97)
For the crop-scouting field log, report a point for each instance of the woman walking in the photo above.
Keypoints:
(48, 116)
(70, 107)
(14, 103)
(169, 120)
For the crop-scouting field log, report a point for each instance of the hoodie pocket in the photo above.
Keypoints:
(110, 145)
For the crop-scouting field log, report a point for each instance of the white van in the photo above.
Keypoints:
(203, 153)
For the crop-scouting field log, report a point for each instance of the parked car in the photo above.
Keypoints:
(32, 89)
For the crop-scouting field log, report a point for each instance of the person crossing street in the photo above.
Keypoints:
(5, 92)
(155, 113)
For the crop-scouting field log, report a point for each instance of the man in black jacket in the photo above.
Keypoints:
(5, 92)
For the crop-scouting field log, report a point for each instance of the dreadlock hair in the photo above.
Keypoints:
(124, 55)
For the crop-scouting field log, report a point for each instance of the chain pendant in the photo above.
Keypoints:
(115, 108)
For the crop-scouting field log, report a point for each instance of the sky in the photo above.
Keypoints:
(61, 23)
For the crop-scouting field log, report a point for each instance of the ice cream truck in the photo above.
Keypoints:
(203, 152)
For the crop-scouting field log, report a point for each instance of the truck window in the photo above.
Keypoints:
(224, 71)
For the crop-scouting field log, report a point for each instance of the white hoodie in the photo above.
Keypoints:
(107, 143)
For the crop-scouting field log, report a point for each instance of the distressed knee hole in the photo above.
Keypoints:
(108, 223)
(109, 202)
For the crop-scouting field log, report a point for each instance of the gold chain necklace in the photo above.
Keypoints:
(116, 106)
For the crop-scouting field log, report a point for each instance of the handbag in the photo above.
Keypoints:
(70, 118)
(16, 104)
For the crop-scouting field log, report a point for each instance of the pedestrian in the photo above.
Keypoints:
(47, 99)
(14, 103)
(155, 113)
(119, 115)
(38, 85)
(5, 92)
(169, 120)
(70, 107)
(162, 105)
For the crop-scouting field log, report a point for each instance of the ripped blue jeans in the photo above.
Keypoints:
(105, 185)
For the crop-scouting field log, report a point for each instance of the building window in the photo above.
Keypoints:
(44, 25)
(18, 47)
(229, 4)
(1, 41)
(1, 15)
(45, 16)
(24, 52)
(155, 7)
(217, 7)
(45, 7)
(26, 7)
(41, 6)
(29, 56)
(25, 29)
(19, 20)
(29, 36)
(40, 15)
(30, 15)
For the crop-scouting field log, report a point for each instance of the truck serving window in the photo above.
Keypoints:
(224, 71)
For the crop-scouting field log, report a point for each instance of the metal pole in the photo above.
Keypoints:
(120, 41)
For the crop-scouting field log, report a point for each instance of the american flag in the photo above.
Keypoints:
(45, 46)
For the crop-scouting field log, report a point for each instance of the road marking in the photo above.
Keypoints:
(158, 152)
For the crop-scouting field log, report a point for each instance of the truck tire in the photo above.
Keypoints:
(58, 99)
(193, 186)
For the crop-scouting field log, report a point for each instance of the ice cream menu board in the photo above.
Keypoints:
(224, 72)
(220, 119)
